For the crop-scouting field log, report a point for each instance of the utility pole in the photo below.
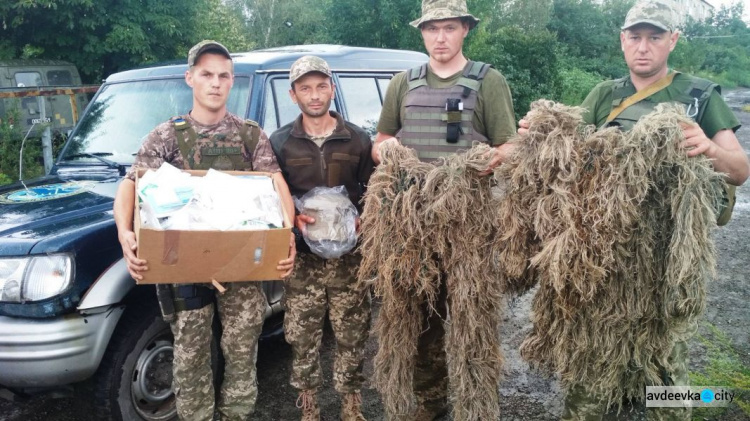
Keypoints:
(46, 135)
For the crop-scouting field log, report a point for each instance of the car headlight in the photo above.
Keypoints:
(34, 278)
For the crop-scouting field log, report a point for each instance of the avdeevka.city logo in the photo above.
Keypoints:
(688, 396)
(46, 192)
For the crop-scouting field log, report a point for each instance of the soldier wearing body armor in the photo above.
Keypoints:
(647, 38)
(320, 149)
(438, 109)
(207, 137)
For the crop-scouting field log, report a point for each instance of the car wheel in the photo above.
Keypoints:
(134, 380)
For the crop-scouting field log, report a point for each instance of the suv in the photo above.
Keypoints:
(69, 310)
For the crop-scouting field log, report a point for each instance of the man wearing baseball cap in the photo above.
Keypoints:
(234, 144)
(647, 38)
(321, 149)
(438, 109)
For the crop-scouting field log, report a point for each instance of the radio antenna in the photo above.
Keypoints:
(20, 158)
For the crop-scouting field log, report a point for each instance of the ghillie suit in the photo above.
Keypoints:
(622, 226)
(423, 223)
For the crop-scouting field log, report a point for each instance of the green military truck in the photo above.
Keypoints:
(20, 83)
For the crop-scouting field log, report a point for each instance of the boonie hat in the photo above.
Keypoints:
(307, 64)
(657, 13)
(445, 9)
(204, 46)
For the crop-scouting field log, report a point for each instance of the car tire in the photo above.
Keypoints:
(134, 379)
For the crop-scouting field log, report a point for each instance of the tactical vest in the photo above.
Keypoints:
(439, 121)
(220, 151)
(693, 98)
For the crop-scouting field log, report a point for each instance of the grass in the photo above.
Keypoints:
(724, 368)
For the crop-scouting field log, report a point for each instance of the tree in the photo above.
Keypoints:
(589, 34)
(718, 49)
(373, 23)
(223, 21)
(274, 23)
(103, 36)
(529, 15)
(526, 59)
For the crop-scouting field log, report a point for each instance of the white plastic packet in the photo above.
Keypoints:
(227, 202)
(165, 190)
(334, 232)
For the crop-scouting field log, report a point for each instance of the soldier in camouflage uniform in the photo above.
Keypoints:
(319, 148)
(414, 114)
(647, 38)
(207, 137)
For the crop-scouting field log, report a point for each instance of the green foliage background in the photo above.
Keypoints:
(555, 49)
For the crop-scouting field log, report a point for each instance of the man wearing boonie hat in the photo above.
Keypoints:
(438, 109)
(321, 149)
(647, 38)
(235, 144)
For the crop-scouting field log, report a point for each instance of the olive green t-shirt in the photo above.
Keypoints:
(716, 116)
(493, 114)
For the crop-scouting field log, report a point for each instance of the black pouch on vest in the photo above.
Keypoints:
(453, 106)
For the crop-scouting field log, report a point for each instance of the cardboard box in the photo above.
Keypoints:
(203, 256)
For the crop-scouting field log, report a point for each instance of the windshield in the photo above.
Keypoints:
(123, 114)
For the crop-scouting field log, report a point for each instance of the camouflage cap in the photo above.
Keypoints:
(307, 64)
(445, 9)
(657, 13)
(204, 46)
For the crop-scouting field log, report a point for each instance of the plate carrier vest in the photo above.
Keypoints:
(439, 121)
(210, 152)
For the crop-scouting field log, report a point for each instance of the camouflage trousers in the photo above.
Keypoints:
(240, 310)
(431, 369)
(317, 285)
(582, 406)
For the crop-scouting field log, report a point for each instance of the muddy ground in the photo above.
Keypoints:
(720, 351)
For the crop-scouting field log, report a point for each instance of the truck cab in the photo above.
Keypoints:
(70, 314)
(38, 73)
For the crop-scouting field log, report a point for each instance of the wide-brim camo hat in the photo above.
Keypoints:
(445, 9)
(205, 46)
(657, 13)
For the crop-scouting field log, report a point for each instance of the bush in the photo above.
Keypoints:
(576, 84)
(527, 60)
(10, 146)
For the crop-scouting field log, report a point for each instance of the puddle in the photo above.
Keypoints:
(738, 98)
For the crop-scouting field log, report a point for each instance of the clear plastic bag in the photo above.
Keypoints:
(334, 232)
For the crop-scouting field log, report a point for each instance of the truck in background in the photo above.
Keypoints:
(36, 73)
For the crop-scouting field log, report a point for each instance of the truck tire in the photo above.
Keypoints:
(134, 379)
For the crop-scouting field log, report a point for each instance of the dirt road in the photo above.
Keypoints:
(720, 353)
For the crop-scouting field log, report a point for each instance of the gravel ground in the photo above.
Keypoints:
(527, 395)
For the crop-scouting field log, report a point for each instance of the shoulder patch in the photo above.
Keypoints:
(180, 123)
(251, 123)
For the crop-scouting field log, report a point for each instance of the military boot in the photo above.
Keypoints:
(308, 403)
(351, 407)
